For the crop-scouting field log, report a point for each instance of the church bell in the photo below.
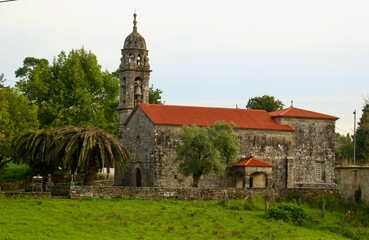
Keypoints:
(138, 90)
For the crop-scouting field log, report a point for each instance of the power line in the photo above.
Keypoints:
(4, 1)
(342, 130)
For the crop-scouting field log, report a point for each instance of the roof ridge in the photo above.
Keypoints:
(287, 110)
(208, 107)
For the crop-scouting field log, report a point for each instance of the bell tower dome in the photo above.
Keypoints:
(134, 74)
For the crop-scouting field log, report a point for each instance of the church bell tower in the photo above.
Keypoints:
(134, 74)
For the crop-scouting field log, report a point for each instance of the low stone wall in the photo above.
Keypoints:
(350, 178)
(28, 194)
(161, 193)
(301, 185)
(110, 192)
(295, 193)
(60, 189)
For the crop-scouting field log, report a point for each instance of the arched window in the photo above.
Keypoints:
(138, 59)
(138, 178)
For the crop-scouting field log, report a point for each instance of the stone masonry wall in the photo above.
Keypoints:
(158, 146)
(313, 143)
(349, 178)
(139, 139)
(162, 193)
(110, 192)
(270, 146)
(293, 154)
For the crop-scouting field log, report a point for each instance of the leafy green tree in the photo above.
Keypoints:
(206, 149)
(155, 95)
(225, 140)
(16, 116)
(344, 147)
(71, 91)
(362, 135)
(266, 102)
(2, 80)
(78, 149)
(197, 154)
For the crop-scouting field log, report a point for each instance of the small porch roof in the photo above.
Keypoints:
(252, 162)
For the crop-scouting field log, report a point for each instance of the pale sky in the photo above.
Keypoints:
(211, 53)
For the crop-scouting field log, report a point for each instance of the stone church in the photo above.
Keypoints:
(289, 148)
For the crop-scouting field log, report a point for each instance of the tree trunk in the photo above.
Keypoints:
(196, 179)
(91, 171)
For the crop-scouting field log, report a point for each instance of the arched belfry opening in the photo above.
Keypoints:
(134, 74)
(138, 98)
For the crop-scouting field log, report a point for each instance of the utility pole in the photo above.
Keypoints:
(354, 136)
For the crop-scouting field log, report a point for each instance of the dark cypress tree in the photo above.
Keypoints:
(362, 135)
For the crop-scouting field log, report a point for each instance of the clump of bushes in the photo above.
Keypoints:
(15, 172)
(314, 199)
(15, 176)
(357, 195)
(288, 213)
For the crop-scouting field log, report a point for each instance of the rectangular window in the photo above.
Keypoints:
(319, 171)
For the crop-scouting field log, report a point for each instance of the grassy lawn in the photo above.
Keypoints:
(23, 218)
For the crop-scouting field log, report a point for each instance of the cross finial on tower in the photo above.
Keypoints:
(291, 103)
(134, 21)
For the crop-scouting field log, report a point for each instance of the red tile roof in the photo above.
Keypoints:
(252, 162)
(300, 113)
(207, 116)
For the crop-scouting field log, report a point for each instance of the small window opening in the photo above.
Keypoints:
(319, 171)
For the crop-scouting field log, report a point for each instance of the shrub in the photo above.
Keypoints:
(287, 213)
(15, 173)
(358, 193)
(314, 198)
(249, 205)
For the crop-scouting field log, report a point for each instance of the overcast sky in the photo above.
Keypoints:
(211, 53)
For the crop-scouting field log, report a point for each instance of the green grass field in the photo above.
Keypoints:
(23, 218)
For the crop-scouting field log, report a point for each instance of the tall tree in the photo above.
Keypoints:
(362, 135)
(155, 95)
(71, 91)
(266, 102)
(2, 80)
(344, 147)
(16, 116)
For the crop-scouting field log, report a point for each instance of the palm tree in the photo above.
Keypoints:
(87, 149)
(32, 148)
(83, 149)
